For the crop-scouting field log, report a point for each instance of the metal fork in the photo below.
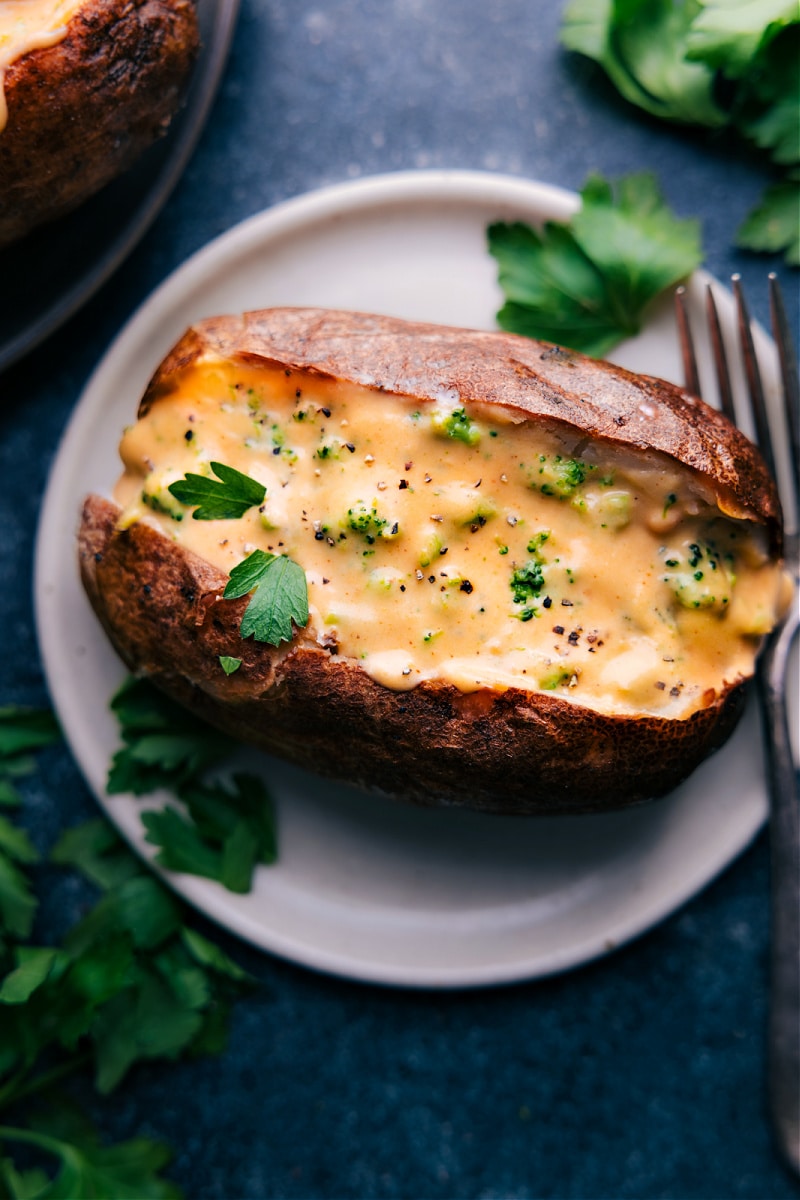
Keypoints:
(783, 1031)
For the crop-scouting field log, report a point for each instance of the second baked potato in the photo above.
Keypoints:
(85, 87)
(535, 582)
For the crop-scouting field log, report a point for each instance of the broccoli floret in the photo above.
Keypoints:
(456, 424)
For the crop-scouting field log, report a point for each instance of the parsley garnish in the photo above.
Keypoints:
(587, 283)
(223, 832)
(230, 495)
(774, 224)
(164, 745)
(717, 63)
(227, 832)
(22, 730)
(280, 591)
(130, 981)
(280, 596)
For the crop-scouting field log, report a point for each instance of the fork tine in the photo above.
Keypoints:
(791, 389)
(720, 357)
(754, 385)
(690, 373)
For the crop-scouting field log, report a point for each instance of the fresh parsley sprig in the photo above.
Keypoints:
(229, 496)
(713, 63)
(280, 590)
(227, 832)
(130, 981)
(22, 731)
(222, 832)
(280, 596)
(587, 283)
(164, 746)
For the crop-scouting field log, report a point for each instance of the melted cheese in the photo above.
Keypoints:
(27, 25)
(469, 549)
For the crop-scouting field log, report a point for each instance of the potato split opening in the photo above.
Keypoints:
(454, 542)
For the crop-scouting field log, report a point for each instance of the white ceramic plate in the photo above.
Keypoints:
(364, 887)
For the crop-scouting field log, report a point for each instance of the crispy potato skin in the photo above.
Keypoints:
(80, 112)
(511, 751)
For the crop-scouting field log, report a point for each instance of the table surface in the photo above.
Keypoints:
(638, 1076)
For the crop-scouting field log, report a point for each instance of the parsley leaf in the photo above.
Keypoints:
(221, 834)
(712, 63)
(230, 495)
(127, 1171)
(641, 45)
(775, 223)
(164, 744)
(22, 730)
(586, 284)
(280, 596)
(228, 833)
(130, 981)
(728, 34)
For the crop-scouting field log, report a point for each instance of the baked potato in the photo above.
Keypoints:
(85, 87)
(535, 582)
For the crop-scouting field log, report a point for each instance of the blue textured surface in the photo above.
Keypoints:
(640, 1076)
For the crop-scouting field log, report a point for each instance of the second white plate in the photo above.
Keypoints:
(364, 887)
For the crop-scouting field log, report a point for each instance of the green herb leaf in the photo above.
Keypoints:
(223, 832)
(95, 850)
(33, 967)
(209, 954)
(768, 110)
(707, 62)
(280, 596)
(230, 495)
(227, 832)
(17, 901)
(728, 34)
(130, 982)
(127, 1171)
(640, 247)
(15, 843)
(774, 225)
(641, 45)
(147, 1020)
(9, 796)
(229, 664)
(164, 744)
(181, 848)
(140, 907)
(25, 729)
(587, 284)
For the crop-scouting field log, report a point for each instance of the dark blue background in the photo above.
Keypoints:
(640, 1076)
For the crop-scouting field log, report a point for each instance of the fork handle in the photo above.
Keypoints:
(783, 1033)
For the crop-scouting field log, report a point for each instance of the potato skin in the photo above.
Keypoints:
(502, 751)
(80, 112)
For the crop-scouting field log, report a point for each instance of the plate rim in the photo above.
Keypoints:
(279, 220)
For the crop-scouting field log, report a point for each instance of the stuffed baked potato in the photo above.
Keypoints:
(85, 87)
(535, 582)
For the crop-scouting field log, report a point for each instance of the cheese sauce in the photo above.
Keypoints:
(471, 549)
(27, 25)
